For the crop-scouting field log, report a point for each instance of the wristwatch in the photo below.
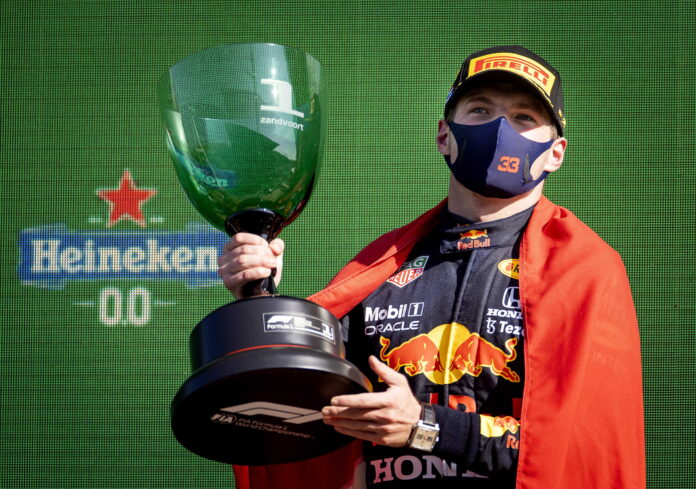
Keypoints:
(424, 433)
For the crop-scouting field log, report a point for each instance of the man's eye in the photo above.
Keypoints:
(525, 117)
(479, 110)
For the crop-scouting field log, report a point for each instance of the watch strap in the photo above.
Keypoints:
(428, 414)
(424, 433)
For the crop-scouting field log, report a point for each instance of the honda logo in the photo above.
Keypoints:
(511, 298)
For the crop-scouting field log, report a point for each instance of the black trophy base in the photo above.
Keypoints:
(260, 401)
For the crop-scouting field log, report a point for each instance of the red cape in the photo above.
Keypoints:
(582, 412)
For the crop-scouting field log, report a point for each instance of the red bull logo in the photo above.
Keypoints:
(416, 356)
(476, 353)
(449, 352)
(474, 238)
(495, 426)
(474, 234)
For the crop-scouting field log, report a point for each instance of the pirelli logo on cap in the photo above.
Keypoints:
(515, 63)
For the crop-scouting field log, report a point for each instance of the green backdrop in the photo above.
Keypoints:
(91, 357)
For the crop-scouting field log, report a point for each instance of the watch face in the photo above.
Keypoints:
(424, 437)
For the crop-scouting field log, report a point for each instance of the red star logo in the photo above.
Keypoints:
(125, 202)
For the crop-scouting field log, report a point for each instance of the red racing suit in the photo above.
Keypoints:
(581, 421)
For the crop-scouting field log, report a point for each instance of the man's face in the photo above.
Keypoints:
(525, 112)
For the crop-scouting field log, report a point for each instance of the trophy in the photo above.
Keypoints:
(245, 126)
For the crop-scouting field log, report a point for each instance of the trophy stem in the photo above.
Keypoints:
(262, 222)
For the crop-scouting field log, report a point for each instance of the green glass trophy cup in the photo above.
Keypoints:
(245, 126)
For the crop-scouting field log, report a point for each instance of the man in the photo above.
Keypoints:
(506, 327)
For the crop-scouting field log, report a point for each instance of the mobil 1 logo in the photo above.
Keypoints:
(398, 317)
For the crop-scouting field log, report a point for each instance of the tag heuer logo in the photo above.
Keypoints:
(409, 272)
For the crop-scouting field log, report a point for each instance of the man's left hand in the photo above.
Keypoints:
(385, 418)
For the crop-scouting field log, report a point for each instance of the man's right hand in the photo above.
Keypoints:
(248, 257)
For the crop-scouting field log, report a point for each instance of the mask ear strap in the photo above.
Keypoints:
(463, 148)
(527, 172)
(526, 169)
(543, 175)
(535, 148)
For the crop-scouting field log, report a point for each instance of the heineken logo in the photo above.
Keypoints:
(120, 245)
(52, 255)
(125, 201)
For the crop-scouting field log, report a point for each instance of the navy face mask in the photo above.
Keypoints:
(494, 160)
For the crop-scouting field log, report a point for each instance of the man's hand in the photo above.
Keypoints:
(248, 257)
(385, 418)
